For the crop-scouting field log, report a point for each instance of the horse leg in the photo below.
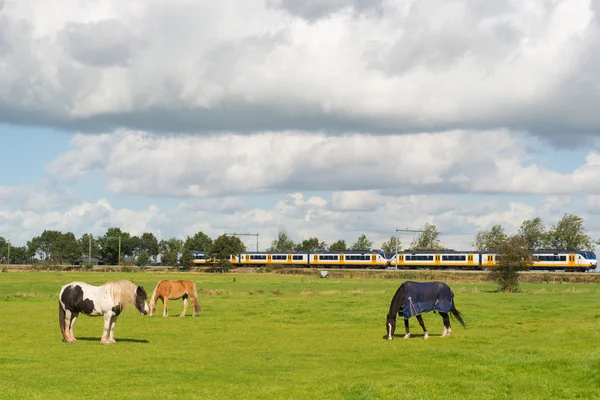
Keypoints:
(165, 312)
(64, 319)
(420, 319)
(185, 304)
(447, 329)
(106, 331)
(111, 335)
(74, 316)
(406, 328)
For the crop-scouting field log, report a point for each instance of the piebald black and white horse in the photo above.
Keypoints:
(107, 300)
(413, 298)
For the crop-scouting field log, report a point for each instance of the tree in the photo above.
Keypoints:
(569, 234)
(283, 243)
(169, 251)
(42, 245)
(56, 247)
(145, 248)
(490, 240)
(428, 239)
(534, 233)
(312, 244)
(66, 249)
(84, 243)
(19, 255)
(109, 245)
(392, 245)
(199, 242)
(362, 243)
(224, 247)
(340, 245)
(3, 249)
(513, 256)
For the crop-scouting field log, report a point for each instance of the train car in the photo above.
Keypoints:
(260, 259)
(348, 259)
(199, 258)
(564, 260)
(436, 259)
(552, 260)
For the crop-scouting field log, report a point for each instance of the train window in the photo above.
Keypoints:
(297, 257)
(563, 258)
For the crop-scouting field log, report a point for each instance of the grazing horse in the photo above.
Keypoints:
(413, 298)
(108, 300)
(175, 290)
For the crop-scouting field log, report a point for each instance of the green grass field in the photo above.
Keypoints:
(263, 336)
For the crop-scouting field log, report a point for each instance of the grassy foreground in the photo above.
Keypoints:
(292, 337)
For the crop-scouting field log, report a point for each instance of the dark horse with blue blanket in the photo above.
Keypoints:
(413, 298)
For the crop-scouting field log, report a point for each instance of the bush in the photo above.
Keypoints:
(221, 266)
(514, 257)
(88, 266)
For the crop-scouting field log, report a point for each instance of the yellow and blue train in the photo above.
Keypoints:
(579, 261)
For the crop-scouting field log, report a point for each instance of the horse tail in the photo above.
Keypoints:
(456, 314)
(61, 320)
(195, 297)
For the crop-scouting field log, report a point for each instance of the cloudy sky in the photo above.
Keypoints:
(327, 118)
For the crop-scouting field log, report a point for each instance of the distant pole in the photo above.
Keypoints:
(8, 260)
(396, 252)
(119, 250)
(257, 242)
(397, 256)
(89, 249)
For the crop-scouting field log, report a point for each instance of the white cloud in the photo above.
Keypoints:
(392, 66)
(203, 166)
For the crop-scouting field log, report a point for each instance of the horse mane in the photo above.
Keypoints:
(122, 292)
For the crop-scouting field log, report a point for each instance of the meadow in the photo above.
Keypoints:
(270, 336)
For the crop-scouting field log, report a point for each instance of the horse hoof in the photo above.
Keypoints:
(425, 336)
(406, 337)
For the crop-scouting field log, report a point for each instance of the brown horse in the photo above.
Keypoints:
(175, 290)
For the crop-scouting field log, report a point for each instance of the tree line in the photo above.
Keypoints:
(115, 247)
(119, 247)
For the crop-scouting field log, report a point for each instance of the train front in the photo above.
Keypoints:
(590, 257)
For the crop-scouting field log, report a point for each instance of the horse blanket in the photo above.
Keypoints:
(421, 297)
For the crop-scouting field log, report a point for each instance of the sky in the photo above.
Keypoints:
(326, 118)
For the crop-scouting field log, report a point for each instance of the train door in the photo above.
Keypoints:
(268, 259)
(470, 260)
(247, 258)
(571, 260)
(341, 259)
(437, 259)
(289, 258)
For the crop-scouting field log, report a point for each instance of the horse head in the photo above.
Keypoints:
(141, 300)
